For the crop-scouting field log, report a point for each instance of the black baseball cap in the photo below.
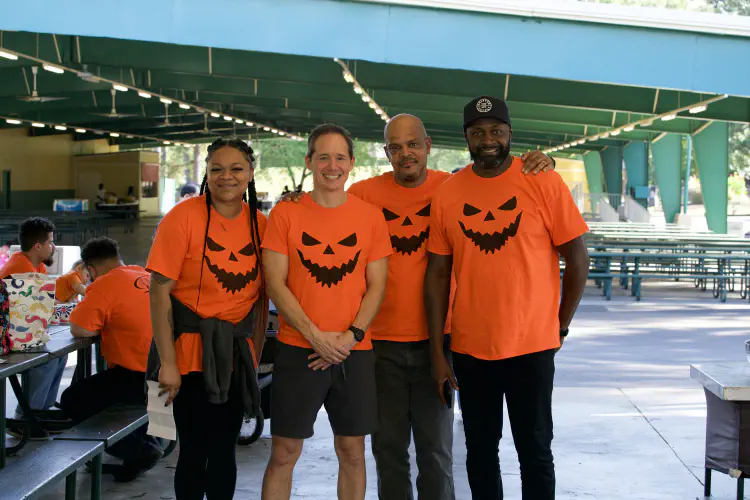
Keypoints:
(486, 106)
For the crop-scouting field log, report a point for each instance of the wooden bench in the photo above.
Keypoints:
(34, 474)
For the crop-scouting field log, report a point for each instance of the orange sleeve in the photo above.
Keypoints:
(438, 242)
(381, 240)
(92, 312)
(262, 225)
(566, 222)
(170, 244)
(19, 266)
(356, 189)
(277, 230)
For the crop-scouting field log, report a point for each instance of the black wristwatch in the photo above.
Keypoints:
(359, 334)
(564, 333)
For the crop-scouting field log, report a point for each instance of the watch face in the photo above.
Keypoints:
(359, 335)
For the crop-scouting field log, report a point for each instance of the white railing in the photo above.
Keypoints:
(634, 211)
(605, 206)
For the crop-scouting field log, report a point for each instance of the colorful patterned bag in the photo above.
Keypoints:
(31, 299)
(4, 319)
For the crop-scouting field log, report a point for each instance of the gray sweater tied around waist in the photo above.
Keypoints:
(226, 356)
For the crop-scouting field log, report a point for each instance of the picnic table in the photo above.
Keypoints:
(18, 363)
(727, 390)
(721, 268)
(78, 226)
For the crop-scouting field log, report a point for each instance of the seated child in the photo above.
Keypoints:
(70, 286)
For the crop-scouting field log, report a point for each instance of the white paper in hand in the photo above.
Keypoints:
(160, 417)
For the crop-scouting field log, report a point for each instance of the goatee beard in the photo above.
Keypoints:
(49, 262)
(490, 161)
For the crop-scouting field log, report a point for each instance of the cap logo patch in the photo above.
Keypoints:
(484, 105)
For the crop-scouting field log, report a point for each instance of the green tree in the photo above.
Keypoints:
(741, 7)
(739, 149)
(448, 159)
(284, 154)
(289, 156)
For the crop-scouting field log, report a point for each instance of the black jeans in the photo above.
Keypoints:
(91, 395)
(208, 435)
(526, 382)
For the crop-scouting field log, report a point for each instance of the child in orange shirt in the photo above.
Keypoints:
(69, 286)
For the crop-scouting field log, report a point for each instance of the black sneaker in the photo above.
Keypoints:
(34, 434)
(126, 472)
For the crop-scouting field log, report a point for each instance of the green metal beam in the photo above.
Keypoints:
(667, 158)
(712, 155)
(592, 162)
(636, 166)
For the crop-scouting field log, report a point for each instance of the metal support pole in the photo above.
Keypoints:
(687, 173)
(707, 483)
(741, 488)
(70, 486)
(96, 478)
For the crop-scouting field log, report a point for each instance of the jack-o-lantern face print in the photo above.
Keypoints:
(229, 267)
(408, 243)
(333, 275)
(487, 235)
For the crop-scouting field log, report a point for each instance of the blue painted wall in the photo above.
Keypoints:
(411, 36)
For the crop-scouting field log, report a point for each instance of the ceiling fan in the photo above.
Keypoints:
(114, 113)
(34, 95)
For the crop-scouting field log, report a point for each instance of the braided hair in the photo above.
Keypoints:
(249, 196)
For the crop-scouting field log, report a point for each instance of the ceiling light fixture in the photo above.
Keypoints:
(114, 134)
(669, 117)
(215, 115)
(359, 90)
(11, 121)
(698, 109)
(8, 55)
(121, 88)
(37, 125)
(629, 128)
(184, 106)
(145, 95)
(53, 69)
(81, 130)
(60, 127)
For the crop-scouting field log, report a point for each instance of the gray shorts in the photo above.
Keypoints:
(347, 391)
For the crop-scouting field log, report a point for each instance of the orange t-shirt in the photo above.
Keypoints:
(328, 250)
(502, 233)
(64, 286)
(231, 269)
(117, 305)
(402, 317)
(19, 264)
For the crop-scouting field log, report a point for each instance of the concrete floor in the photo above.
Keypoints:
(629, 421)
